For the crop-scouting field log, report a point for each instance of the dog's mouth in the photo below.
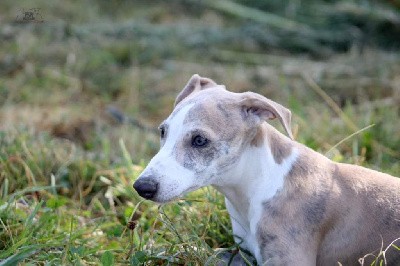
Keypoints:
(162, 200)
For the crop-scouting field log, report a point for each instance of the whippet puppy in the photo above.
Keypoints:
(288, 204)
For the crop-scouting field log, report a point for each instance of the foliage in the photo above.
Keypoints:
(81, 92)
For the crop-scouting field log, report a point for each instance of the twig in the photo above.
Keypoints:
(330, 102)
(342, 115)
(348, 137)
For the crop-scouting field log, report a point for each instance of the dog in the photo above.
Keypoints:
(288, 204)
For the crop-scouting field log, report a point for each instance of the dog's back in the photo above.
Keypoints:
(368, 213)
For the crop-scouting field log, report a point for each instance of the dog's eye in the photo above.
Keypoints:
(162, 132)
(199, 141)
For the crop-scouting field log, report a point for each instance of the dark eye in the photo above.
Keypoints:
(199, 141)
(162, 132)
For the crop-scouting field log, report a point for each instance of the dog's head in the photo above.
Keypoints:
(203, 139)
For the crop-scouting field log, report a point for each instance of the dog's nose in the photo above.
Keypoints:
(146, 188)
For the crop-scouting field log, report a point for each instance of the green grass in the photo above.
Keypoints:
(67, 166)
(66, 208)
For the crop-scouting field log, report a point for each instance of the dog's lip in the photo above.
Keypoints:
(189, 189)
(180, 195)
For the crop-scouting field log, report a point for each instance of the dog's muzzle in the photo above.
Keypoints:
(146, 187)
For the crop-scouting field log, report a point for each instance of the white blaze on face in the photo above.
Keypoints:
(173, 179)
(175, 129)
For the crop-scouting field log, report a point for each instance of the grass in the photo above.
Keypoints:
(67, 165)
(81, 208)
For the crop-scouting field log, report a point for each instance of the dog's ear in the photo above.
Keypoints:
(195, 84)
(254, 104)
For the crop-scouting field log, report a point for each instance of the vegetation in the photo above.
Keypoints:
(82, 93)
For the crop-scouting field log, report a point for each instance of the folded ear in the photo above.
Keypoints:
(254, 104)
(195, 84)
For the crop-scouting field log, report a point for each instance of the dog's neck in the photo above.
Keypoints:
(257, 178)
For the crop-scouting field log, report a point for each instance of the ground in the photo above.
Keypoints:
(84, 86)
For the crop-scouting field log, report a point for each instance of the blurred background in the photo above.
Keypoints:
(65, 65)
(84, 85)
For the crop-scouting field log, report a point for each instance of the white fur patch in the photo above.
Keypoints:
(264, 191)
(255, 179)
(176, 129)
(173, 179)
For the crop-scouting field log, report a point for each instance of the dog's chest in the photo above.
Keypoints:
(245, 230)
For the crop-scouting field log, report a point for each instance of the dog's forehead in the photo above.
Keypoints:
(211, 107)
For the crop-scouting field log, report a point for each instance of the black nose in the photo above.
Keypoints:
(146, 188)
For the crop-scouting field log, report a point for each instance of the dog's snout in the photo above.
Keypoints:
(146, 188)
